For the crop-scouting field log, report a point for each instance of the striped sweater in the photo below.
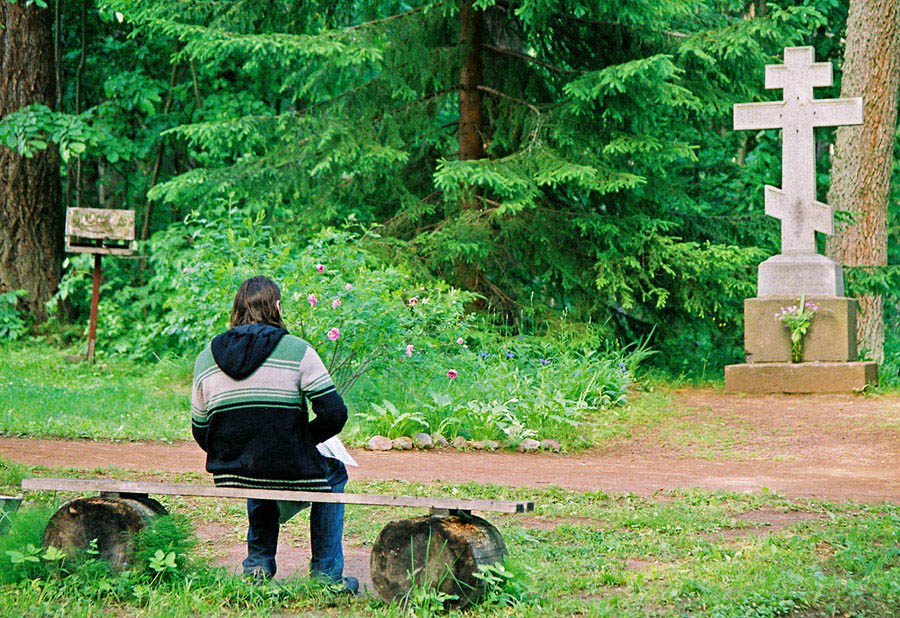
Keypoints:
(256, 429)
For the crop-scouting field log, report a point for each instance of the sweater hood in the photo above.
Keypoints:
(240, 351)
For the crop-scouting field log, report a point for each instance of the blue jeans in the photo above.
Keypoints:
(326, 530)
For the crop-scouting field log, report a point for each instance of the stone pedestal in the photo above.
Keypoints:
(831, 337)
(829, 351)
(800, 377)
(796, 274)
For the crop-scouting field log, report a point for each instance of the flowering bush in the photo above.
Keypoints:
(402, 350)
(354, 310)
(797, 318)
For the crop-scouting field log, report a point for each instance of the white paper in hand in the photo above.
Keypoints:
(334, 448)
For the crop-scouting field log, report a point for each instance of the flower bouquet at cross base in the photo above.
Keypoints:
(797, 319)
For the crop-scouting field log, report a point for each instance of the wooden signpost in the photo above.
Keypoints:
(102, 232)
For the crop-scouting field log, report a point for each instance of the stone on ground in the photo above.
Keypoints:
(380, 443)
(550, 445)
(422, 440)
(403, 443)
(439, 440)
(528, 445)
(491, 445)
(460, 442)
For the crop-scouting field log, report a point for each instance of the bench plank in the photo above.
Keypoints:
(175, 489)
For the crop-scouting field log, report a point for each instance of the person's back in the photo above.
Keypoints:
(249, 413)
(254, 381)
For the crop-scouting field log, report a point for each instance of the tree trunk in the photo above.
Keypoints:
(442, 553)
(31, 216)
(471, 140)
(861, 169)
(471, 120)
(110, 522)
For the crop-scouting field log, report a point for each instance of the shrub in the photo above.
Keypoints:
(415, 359)
(162, 548)
(21, 554)
(12, 324)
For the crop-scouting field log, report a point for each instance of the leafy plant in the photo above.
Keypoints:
(21, 554)
(12, 325)
(504, 585)
(386, 420)
(163, 547)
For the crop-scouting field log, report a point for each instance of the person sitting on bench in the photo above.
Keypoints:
(248, 412)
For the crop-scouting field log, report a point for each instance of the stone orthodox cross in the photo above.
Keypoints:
(797, 115)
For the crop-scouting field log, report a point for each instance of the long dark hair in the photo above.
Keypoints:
(255, 303)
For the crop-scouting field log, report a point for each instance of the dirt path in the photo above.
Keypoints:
(835, 446)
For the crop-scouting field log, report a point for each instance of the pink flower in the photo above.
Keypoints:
(460, 341)
(348, 287)
(320, 268)
(336, 303)
(409, 350)
(333, 334)
(312, 300)
(452, 373)
(413, 301)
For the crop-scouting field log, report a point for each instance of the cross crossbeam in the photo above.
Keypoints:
(798, 114)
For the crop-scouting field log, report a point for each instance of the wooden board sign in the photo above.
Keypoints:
(99, 230)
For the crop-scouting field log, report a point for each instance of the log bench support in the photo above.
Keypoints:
(443, 550)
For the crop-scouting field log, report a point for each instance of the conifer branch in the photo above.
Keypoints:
(382, 20)
(606, 22)
(503, 95)
(421, 99)
(341, 95)
(526, 57)
(531, 106)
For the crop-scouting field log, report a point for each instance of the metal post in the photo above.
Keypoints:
(95, 299)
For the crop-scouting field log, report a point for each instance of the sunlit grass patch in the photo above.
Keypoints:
(43, 395)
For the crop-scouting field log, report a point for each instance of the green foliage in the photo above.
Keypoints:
(358, 313)
(162, 549)
(614, 189)
(12, 324)
(369, 320)
(506, 390)
(607, 129)
(504, 584)
(21, 555)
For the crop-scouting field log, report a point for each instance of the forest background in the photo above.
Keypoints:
(571, 164)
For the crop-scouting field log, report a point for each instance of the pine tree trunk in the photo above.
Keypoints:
(861, 169)
(31, 215)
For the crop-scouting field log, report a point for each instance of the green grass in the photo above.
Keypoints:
(686, 552)
(43, 395)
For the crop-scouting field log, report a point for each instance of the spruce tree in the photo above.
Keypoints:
(578, 153)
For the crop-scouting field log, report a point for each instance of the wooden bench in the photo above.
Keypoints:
(443, 549)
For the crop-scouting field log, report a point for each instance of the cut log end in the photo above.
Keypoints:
(111, 521)
(436, 552)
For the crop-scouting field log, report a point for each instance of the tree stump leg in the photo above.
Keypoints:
(437, 552)
(111, 521)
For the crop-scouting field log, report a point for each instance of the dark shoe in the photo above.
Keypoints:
(257, 575)
(347, 585)
(351, 585)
